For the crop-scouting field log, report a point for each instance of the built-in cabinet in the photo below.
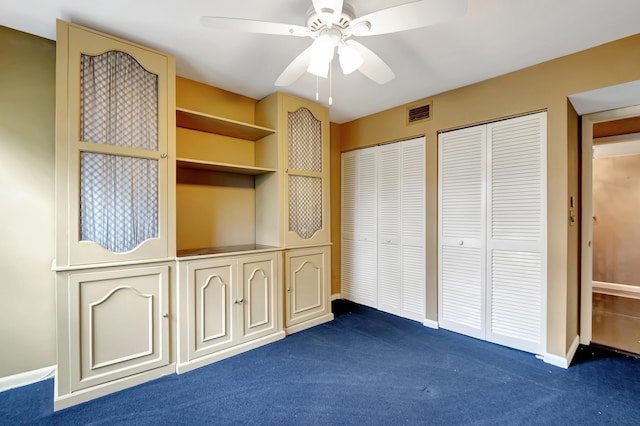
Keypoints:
(383, 228)
(115, 239)
(302, 133)
(174, 224)
(492, 232)
(227, 305)
(307, 282)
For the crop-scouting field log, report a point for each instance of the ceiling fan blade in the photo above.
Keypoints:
(329, 11)
(295, 69)
(250, 26)
(373, 67)
(412, 15)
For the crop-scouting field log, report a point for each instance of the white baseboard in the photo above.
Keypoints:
(336, 296)
(26, 378)
(430, 323)
(563, 362)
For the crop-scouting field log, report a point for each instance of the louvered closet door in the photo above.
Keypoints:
(461, 229)
(412, 209)
(348, 261)
(366, 290)
(516, 233)
(389, 237)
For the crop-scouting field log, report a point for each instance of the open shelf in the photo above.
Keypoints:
(211, 166)
(223, 126)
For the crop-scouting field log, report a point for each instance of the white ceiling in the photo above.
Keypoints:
(495, 37)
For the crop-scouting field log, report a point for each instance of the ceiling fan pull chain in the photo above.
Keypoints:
(330, 74)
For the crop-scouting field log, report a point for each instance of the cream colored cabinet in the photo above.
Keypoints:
(307, 298)
(115, 213)
(113, 324)
(302, 129)
(227, 305)
(115, 160)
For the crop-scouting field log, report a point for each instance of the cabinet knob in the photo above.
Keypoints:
(239, 301)
(288, 290)
(461, 243)
(165, 315)
(163, 155)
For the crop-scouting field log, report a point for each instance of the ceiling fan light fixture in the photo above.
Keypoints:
(322, 49)
(350, 59)
(318, 67)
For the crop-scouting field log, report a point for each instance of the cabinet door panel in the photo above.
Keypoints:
(211, 292)
(258, 275)
(307, 288)
(115, 150)
(120, 329)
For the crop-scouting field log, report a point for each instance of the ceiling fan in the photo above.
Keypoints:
(332, 24)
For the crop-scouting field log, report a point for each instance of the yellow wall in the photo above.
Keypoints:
(202, 220)
(542, 87)
(27, 110)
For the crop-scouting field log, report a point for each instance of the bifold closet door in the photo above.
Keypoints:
(359, 227)
(517, 232)
(461, 218)
(492, 232)
(401, 225)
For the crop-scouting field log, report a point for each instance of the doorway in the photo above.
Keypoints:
(610, 300)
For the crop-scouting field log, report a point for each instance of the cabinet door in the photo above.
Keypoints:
(258, 289)
(210, 295)
(307, 285)
(114, 149)
(121, 327)
(307, 219)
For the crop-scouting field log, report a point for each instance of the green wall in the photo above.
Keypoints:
(27, 113)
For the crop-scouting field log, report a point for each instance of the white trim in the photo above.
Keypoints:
(617, 146)
(336, 296)
(430, 323)
(563, 362)
(26, 378)
(615, 289)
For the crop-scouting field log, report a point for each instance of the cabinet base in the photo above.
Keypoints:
(65, 401)
(308, 324)
(226, 353)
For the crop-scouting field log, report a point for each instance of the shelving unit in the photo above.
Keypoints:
(225, 169)
(222, 126)
(188, 163)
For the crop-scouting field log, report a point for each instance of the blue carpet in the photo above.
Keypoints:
(365, 367)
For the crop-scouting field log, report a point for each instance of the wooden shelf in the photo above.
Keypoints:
(188, 163)
(209, 123)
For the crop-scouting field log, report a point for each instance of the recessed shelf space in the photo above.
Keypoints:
(188, 163)
(223, 126)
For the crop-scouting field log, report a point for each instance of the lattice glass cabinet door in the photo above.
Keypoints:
(307, 162)
(116, 147)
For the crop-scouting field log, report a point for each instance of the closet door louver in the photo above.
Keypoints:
(359, 216)
(389, 238)
(516, 232)
(413, 229)
(461, 197)
(348, 263)
(366, 229)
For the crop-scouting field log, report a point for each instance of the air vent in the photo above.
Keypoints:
(418, 113)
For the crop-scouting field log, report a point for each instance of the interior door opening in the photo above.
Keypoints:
(611, 229)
